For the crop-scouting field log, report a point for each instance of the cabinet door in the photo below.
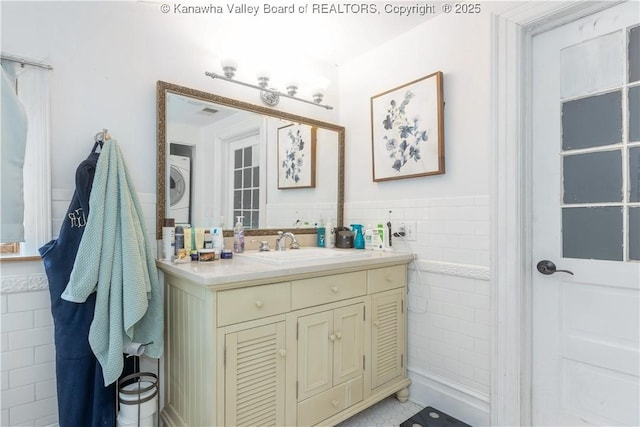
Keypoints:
(255, 376)
(347, 338)
(387, 336)
(315, 354)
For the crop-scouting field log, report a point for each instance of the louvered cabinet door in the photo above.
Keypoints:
(255, 376)
(387, 336)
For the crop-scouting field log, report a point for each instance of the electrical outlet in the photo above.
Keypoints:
(410, 229)
(406, 227)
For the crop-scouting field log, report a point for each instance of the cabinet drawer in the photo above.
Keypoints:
(382, 279)
(326, 404)
(322, 290)
(239, 305)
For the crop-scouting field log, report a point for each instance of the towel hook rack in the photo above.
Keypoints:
(102, 136)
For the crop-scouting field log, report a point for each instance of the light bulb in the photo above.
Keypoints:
(263, 78)
(292, 88)
(229, 67)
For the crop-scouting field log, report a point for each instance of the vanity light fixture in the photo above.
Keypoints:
(269, 96)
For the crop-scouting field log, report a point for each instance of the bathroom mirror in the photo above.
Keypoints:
(219, 158)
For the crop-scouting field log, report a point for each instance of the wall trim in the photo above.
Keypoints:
(24, 283)
(452, 269)
(468, 405)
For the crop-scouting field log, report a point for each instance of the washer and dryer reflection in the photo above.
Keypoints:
(180, 188)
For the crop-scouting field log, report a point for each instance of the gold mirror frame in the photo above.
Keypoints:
(163, 88)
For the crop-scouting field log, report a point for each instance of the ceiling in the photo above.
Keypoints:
(332, 38)
(335, 34)
(195, 112)
(337, 39)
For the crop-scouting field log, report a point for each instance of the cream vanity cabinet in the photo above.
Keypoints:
(307, 346)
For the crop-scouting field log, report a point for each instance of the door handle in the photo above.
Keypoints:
(547, 267)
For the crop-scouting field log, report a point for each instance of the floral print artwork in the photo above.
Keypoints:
(404, 136)
(294, 156)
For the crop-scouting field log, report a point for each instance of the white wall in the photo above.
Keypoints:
(449, 289)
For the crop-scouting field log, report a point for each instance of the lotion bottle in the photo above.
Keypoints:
(188, 239)
(168, 238)
(382, 233)
(376, 243)
(218, 239)
(330, 239)
(179, 239)
(238, 236)
(368, 236)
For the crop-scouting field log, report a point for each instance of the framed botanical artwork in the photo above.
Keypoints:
(296, 156)
(407, 130)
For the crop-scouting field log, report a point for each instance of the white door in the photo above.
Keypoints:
(586, 219)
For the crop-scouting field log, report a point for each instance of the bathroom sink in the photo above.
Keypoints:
(302, 255)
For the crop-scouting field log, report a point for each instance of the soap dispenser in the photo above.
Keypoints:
(358, 239)
(238, 236)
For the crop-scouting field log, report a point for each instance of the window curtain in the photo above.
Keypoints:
(14, 138)
(33, 91)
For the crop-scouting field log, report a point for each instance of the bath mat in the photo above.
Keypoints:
(431, 417)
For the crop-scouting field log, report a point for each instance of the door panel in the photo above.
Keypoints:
(348, 345)
(586, 325)
(315, 354)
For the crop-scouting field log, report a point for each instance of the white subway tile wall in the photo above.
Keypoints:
(449, 286)
(27, 360)
(27, 351)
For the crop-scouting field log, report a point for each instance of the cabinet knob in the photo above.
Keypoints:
(376, 322)
(334, 289)
(335, 403)
(282, 352)
(332, 337)
(259, 303)
(389, 278)
(338, 335)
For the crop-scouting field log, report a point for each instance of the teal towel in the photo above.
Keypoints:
(116, 261)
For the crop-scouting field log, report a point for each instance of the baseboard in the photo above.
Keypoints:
(456, 400)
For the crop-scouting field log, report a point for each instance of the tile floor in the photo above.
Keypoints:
(387, 413)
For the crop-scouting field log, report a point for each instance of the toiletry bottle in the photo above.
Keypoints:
(358, 239)
(218, 242)
(238, 236)
(376, 243)
(188, 237)
(368, 235)
(382, 233)
(321, 235)
(199, 233)
(208, 240)
(330, 235)
(179, 238)
(168, 238)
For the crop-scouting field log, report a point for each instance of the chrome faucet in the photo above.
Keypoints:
(282, 239)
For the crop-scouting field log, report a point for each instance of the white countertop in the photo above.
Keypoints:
(242, 268)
